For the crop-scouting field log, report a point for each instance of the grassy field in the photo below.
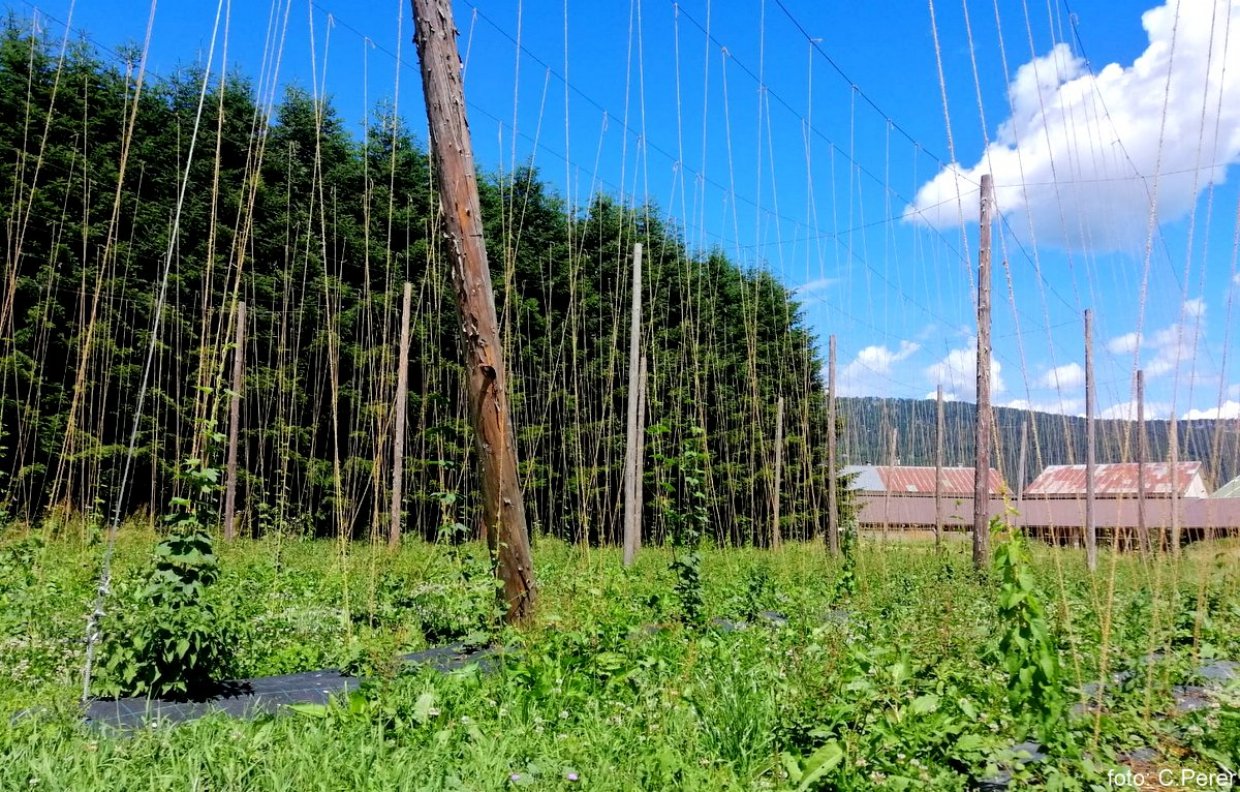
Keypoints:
(902, 669)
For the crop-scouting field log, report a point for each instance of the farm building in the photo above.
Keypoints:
(912, 480)
(1229, 490)
(1120, 480)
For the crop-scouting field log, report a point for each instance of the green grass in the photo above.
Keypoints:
(909, 692)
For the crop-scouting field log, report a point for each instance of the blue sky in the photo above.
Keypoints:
(811, 139)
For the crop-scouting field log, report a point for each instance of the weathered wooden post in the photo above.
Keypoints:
(402, 406)
(981, 472)
(503, 508)
(632, 516)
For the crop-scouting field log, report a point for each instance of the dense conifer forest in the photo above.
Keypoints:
(112, 179)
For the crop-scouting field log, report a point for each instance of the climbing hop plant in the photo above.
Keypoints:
(684, 509)
(1026, 646)
(167, 637)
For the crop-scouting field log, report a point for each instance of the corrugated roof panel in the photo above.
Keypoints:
(1115, 479)
(1229, 490)
(914, 480)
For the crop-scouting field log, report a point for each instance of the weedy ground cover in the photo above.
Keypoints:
(916, 674)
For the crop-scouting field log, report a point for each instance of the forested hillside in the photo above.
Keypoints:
(125, 199)
(1051, 440)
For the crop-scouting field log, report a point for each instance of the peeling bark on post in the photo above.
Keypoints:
(503, 505)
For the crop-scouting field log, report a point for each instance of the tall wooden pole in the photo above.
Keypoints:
(981, 472)
(777, 538)
(1091, 526)
(234, 425)
(1174, 474)
(1143, 531)
(503, 507)
(938, 465)
(833, 504)
(632, 535)
(402, 406)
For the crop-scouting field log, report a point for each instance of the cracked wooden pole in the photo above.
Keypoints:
(981, 471)
(503, 508)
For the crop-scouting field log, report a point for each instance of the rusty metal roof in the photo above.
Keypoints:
(1222, 514)
(914, 480)
(1114, 479)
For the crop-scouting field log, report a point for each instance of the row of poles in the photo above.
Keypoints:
(985, 418)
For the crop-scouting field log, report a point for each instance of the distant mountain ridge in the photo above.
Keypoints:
(870, 422)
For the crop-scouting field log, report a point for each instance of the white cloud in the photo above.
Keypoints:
(1069, 156)
(1229, 410)
(1127, 411)
(957, 373)
(1125, 344)
(816, 285)
(866, 374)
(934, 396)
(1172, 348)
(1235, 279)
(1071, 375)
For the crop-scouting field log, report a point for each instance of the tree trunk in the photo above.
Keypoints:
(503, 511)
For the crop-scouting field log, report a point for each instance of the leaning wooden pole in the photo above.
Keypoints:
(234, 426)
(1091, 442)
(632, 530)
(777, 537)
(1143, 531)
(833, 503)
(981, 472)
(938, 465)
(503, 508)
(402, 407)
